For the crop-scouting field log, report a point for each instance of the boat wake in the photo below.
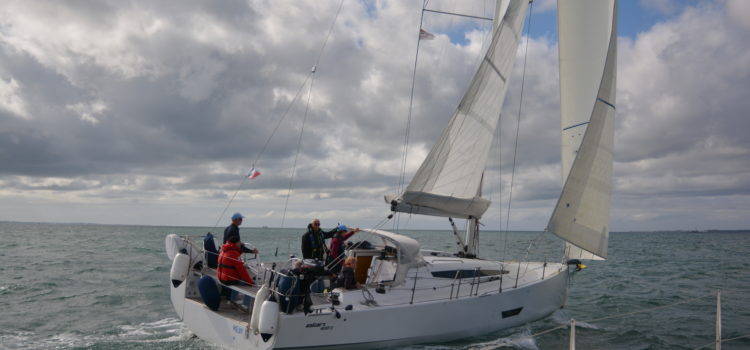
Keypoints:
(168, 326)
(522, 340)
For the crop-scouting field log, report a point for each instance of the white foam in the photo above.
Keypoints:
(17, 338)
(167, 325)
(562, 317)
(521, 340)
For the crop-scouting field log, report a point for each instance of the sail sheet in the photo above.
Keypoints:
(448, 180)
(588, 60)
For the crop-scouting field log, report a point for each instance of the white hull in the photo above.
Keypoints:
(426, 296)
(445, 318)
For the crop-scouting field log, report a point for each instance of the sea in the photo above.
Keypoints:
(87, 286)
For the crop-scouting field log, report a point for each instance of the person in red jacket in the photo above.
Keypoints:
(231, 270)
(336, 252)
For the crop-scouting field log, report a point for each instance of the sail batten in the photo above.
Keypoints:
(588, 52)
(448, 181)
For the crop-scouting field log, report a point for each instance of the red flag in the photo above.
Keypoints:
(425, 35)
(253, 173)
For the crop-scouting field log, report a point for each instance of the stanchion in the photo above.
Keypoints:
(718, 319)
(572, 334)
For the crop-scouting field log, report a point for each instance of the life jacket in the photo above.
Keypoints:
(315, 243)
(231, 267)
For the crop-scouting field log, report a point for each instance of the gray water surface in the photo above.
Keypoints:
(73, 286)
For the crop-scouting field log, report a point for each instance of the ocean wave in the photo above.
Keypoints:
(8, 289)
(30, 341)
(168, 330)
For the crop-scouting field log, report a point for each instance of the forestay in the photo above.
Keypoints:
(448, 181)
(588, 60)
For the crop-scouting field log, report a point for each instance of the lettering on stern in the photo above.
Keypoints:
(320, 325)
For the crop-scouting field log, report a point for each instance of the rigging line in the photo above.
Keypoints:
(498, 152)
(330, 30)
(723, 340)
(265, 145)
(458, 14)
(299, 145)
(404, 154)
(286, 112)
(307, 109)
(532, 243)
(289, 107)
(317, 61)
(518, 125)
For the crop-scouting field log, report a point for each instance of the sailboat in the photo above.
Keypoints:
(410, 295)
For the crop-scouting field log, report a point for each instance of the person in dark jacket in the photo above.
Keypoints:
(231, 270)
(313, 241)
(336, 252)
(234, 230)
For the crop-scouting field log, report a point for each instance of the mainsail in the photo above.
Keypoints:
(588, 60)
(448, 181)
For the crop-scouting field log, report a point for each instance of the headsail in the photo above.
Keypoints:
(447, 183)
(588, 61)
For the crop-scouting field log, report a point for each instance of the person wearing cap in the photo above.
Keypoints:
(234, 230)
(336, 252)
(313, 241)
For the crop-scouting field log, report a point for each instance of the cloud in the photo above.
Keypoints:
(88, 112)
(10, 100)
(158, 110)
(738, 12)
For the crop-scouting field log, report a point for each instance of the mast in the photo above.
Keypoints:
(472, 231)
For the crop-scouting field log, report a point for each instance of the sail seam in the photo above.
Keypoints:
(605, 102)
(577, 125)
(492, 65)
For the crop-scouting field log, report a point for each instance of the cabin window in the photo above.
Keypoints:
(512, 312)
(467, 273)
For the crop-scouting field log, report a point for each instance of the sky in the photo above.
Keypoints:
(152, 113)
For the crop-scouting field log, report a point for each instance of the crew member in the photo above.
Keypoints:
(234, 230)
(313, 241)
(231, 270)
(336, 253)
